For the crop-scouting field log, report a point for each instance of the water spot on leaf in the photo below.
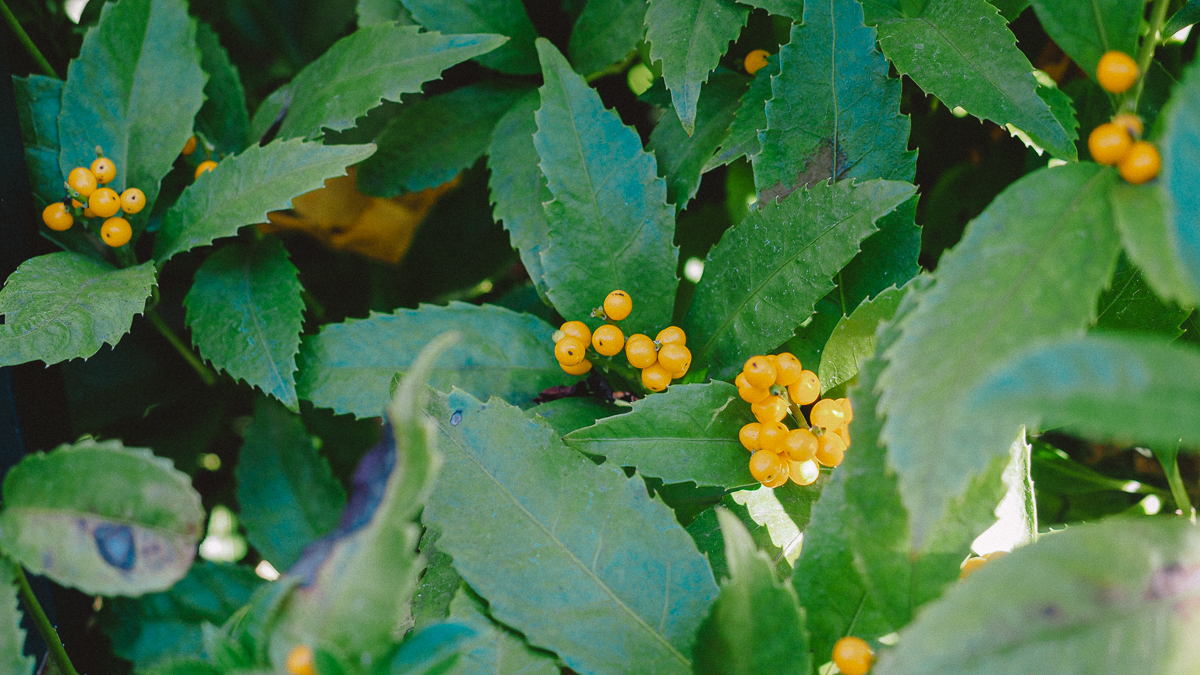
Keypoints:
(456, 418)
(115, 544)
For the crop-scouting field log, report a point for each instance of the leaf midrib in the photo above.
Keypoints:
(248, 291)
(553, 538)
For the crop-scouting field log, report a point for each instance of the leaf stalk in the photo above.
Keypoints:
(26, 41)
(180, 346)
(41, 621)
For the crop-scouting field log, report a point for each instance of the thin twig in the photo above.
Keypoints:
(1158, 17)
(180, 346)
(42, 622)
(26, 42)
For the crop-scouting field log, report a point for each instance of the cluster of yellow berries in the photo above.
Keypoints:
(86, 198)
(775, 386)
(1118, 142)
(661, 360)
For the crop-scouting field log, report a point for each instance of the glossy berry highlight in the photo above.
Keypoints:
(82, 181)
(57, 218)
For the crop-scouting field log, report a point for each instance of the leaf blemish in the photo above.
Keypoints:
(1174, 580)
(115, 544)
(456, 418)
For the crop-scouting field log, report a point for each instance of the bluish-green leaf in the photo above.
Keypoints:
(433, 139)
(63, 306)
(12, 636)
(606, 32)
(285, 488)
(1086, 29)
(516, 185)
(128, 525)
(245, 313)
(610, 225)
(834, 113)
(336, 89)
(439, 583)
(1129, 305)
(134, 91)
(742, 140)
(762, 279)
(1181, 177)
(565, 415)
(688, 433)
(963, 52)
(371, 12)
(496, 650)
(681, 158)
(853, 340)
(223, 118)
(689, 37)
(1029, 268)
(1139, 212)
(39, 101)
(158, 628)
(756, 626)
(1105, 599)
(503, 17)
(1186, 16)
(349, 366)
(242, 189)
(574, 555)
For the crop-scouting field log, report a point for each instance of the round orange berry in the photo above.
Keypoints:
(827, 414)
(787, 369)
(577, 329)
(640, 351)
(852, 656)
(1140, 164)
(1131, 122)
(831, 449)
(133, 200)
(116, 232)
(82, 181)
(570, 351)
(189, 147)
(1116, 72)
(608, 340)
(580, 368)
(104, 202)
(766, 466)
(756, 60)
(770, 409)
(56, 217)
(771, 436)
(671, 334)
(759, 372)
(300, 661)
(800, 445)
(618, 305)
(1109, 143)
(204, 167)
(656, 378)
(804, 473)
(675, 358)
(806, 389)
(748, 435)
(104, 170)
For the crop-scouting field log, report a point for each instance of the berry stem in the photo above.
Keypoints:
(188, 355)
(1158, 18)
(38, 615)
(26, 42)
(1170, 464)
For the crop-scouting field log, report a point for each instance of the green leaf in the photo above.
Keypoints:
(502, 17)
(287, 493)
(1122, 387)
(39, 101)
(1086, 29)
(681, 158)
(245, 313)
(742, 140)
(1010, 9)
(433, 139)
(1130, 305)
(705, 530)
(1105, 599)
(336, 89)
(371, 12)
(1029, 268)
(223, 118)
(835, 113)
(575, 412)
(610, 225)
(853, 340)
(1139, 212)
(349, 366)
(242, 189)
(158, 628)
(592, 569)
(340, 607)
(1181, 177)
(439, 583)
(756, 626)
(962, 52)
(243, 641)
(516, 185)
(788, 8)
(497, 651)
(1186, 16)
(12, 636)
(128, 526)
(63, 306)
(762, 279)
(134, 91)
(688, 433)
(689, 37)
(606, 31)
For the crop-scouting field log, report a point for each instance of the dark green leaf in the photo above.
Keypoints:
(128, 526)
(1029, 268)
(439, 583)
(223, 118)
(245, 313)
(63, 306)
(497, 651)
(430, 650)
(503, 17)
(243, 641)
(39, 101)
(762, 279)
(242, 189)
(517, 183)
(689, 37)
(756, 626)
(1010, 9)
(336, 89)
(1181, 177)
(287, 493)
(705, 530)
(433, 139)
(1139, 212)
(1107, 599)
(682, 158)
(853, 340)
(371, 12)
(1130, 305)
(1086, 29)
(610, 225)
(962, 52)
(349, 366)
(606, 32)
(341, 608)
(789, 8)
(12, 636)
(742, 140)
(576, 412)
(158, 628)
(688, 433)
(134, 91)
(834, 114)
(1186, 16)
(592, 568)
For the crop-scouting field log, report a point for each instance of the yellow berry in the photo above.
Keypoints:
(56, 217)
(831, 449)
(756, 60)
(300, 661)
(766, 466)
(806, 389)
(570, 351)
(671, 334)
(577, 329)
(759, 372)
(618, 305)
(748, 435)
(771, 436)
(82, 181)
(1109, 143)
(104, 170)
(640, 351)
(1140, 164)
(189, 147)
(804, 473)
(1116, 72)
(656, 378)
(608, 340)
(104, 202)
(133, 200)
(578, 369)
(205, 166)
(827, 414)
(116, 232)
(800, 445)
(675, 358)
(770, 409)
(852, 656)
(1131, 122)
(787, 369)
